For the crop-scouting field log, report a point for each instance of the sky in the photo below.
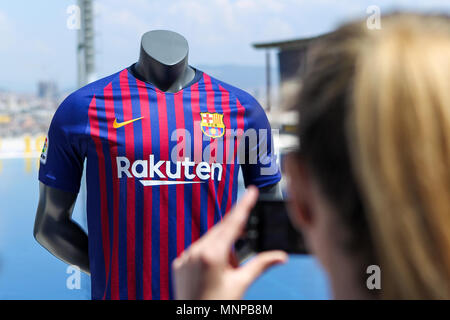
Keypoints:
(37, 45)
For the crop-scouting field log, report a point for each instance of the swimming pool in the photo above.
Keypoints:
(28, 271)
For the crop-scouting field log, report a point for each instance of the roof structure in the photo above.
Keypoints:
(288, 44)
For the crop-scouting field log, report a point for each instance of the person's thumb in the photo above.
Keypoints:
(260, 263)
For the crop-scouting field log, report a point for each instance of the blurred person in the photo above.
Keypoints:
(370, 183)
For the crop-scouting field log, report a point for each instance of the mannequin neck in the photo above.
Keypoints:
(163, 61)
(166, 78)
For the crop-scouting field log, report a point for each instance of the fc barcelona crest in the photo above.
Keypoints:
(212, 124)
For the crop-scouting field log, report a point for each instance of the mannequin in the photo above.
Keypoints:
(56, 231)
(163, 62)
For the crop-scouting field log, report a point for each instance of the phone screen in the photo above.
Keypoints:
(269, 228)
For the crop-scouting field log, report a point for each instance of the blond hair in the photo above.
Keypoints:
(400, 134)
(375, 131)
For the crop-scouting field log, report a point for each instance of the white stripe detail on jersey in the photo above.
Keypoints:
(150, 183)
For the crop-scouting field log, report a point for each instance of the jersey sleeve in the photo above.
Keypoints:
(62, 158)
(260, 167)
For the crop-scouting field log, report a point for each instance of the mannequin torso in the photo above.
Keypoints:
(163, 62)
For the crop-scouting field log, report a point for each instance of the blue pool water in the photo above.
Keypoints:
(28, 271)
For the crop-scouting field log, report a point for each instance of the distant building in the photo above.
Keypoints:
(47, 89)
(292, 55)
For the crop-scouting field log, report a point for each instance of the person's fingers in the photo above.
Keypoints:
(214, 246)
(261, 262)
(232, 225)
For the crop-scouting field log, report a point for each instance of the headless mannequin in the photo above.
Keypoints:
(163, 62)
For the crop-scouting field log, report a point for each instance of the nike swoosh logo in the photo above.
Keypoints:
(117, 125)
(150, 183)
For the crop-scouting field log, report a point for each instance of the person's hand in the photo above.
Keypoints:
(208, 269)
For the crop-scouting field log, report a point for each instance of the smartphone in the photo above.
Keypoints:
(269, 228)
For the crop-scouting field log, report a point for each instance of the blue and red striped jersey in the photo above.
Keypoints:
(161, 169)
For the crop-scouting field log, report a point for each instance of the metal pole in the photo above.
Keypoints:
(268, 80)
(85, 48)
(80, 46)
(89, 54)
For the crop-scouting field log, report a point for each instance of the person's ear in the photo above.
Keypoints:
(299, 192)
